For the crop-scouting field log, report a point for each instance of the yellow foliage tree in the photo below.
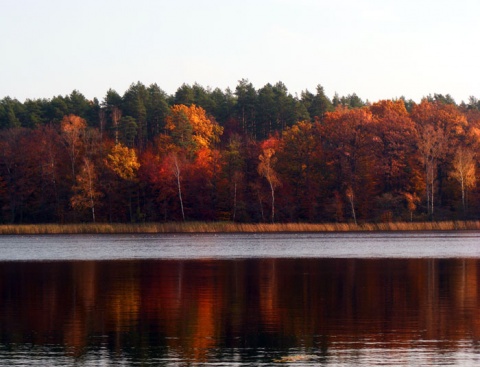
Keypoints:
(191, 126)
(86, 193)
(123, 161)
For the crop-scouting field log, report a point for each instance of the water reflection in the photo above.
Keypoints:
(330, 311)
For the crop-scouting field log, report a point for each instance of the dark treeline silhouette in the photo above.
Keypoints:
(246, 155)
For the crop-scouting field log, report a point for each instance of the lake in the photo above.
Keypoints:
(352, 299)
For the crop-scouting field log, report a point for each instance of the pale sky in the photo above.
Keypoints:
(378, 49)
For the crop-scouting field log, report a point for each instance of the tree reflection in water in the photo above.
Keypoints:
(262, 310)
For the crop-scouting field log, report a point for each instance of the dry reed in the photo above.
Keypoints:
(230, 227)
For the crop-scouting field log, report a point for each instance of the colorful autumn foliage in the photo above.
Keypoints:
(350, 161)
(123, 161)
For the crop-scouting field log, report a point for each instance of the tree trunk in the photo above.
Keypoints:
(177, 175)
(234, 200)
(261, 207)
(432, 195)
(353, 211)
(90, 187)
(273, 202)
(350, 197)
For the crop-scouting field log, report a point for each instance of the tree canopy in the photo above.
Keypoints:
(245, 154)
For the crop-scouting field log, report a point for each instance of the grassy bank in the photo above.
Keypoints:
(229, 227)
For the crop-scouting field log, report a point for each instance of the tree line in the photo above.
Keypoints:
(249, 155)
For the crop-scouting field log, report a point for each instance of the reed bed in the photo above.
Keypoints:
(230, 227)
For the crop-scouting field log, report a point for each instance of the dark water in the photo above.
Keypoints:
(350, 308)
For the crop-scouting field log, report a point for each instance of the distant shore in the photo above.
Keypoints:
(230, 227)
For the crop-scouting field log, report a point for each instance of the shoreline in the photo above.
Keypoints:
(230, 227)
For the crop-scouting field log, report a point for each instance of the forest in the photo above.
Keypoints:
(248, 155)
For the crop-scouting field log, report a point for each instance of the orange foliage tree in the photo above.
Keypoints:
(187, 153)
(72, 128)
(397, 144)
(441, 127)
(350, 147)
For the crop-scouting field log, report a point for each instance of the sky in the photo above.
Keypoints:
(378, 49)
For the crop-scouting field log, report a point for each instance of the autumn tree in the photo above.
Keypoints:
(121, 182)
(72, 128)
(123, 161)
(204, 177)
(441, 127)
(34, 167)
(191, 126)
(351, 147)
(370, 161)
(85, 189)
(396, 136)
(162, 167)
(53, 164)
(157, 183)
(464, 172)
(191, 137)
(20, 171)
(266, 168)
(432, 147)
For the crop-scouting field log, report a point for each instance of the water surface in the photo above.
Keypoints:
(240, 300)
(232, 246)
